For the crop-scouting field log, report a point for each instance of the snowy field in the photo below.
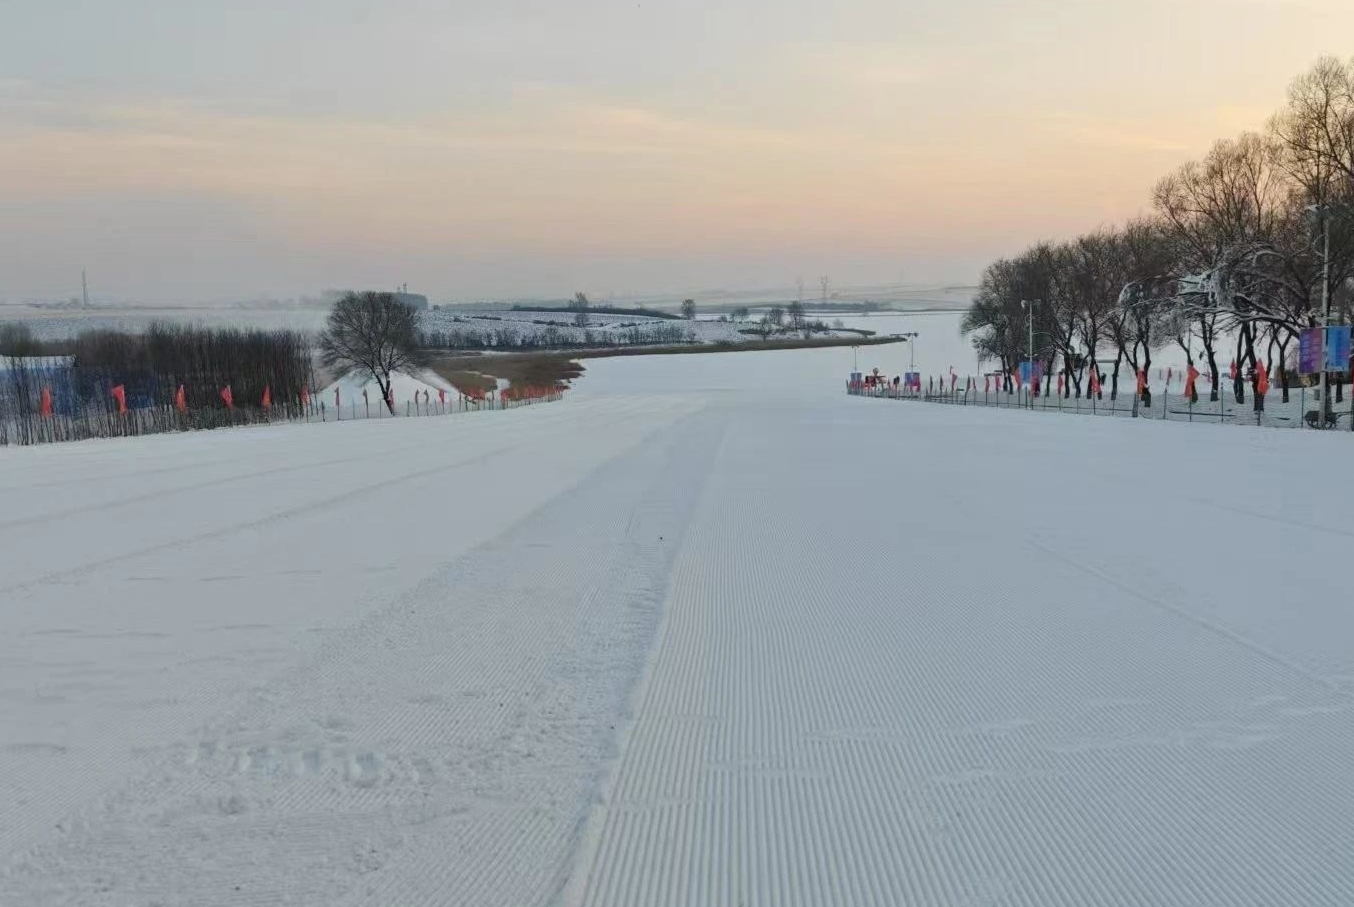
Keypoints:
(707, 632)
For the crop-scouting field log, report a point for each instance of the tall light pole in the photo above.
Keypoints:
(912, 350)
(1325, 314)
(1323, 210)
(1028, 306)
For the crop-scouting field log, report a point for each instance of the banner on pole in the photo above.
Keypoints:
(1337, 348)
(1027, 372)
(1309, 351)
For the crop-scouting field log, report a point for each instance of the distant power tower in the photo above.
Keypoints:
(822, 281)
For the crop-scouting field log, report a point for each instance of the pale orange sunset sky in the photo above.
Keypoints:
(192, 151)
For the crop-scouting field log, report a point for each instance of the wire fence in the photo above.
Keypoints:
(83, 419)
(1301, 410)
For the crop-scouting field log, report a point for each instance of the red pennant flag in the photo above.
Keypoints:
(120, 395)
(1015, 375)
(1191, 376)
(1231, 373)
(441, 395)
(267, 396)
(305, 395)
(181, 400)
(1095, 380)
(1060, 383)
(45, 406)
(227, 396)
(1142, 381)
(1261, 380)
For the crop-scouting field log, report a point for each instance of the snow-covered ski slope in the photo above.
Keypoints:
(708, 632)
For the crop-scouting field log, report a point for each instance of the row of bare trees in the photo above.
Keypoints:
(1237, 257)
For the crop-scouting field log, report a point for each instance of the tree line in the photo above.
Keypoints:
(1236, 258)
(152, 365)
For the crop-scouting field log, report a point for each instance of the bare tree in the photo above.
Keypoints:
(373, 332)
(777, 315)
(689, 309)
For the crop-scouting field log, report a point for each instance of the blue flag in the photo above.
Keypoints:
(1337, 348)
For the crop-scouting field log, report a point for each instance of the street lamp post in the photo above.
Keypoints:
(911, 337)
(1325, 315)
(1324, 210)
(1028, 306)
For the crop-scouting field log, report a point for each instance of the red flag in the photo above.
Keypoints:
(1015, 375)
(181, 400)
(1261, 380)
(1191, 376)
(267, 396)
(45, 407)
(1060, 383)
(305, 395)
(390, 397)
(1142, 381)
(120, 394)
(1169, 373)
(441, 395)
(227, 396)
(1231, 373)
(1095, 379)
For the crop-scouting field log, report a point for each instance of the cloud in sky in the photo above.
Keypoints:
(516, 148)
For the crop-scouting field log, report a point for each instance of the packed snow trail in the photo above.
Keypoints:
(755, 643)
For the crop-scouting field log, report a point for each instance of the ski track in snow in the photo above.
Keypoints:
(750, 644)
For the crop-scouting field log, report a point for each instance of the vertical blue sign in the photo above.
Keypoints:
(1026, 370)
(1337, 348)
(1309, 351)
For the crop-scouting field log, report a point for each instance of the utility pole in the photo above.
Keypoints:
(823, 282)
(84, 287)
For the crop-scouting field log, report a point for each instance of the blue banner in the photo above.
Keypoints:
(1337, 348)
(1309, 351)
(1026, 371)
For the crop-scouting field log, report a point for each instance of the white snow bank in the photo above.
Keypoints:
(403, 386)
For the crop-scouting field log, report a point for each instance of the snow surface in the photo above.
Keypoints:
(708, 632)
(404, 386)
